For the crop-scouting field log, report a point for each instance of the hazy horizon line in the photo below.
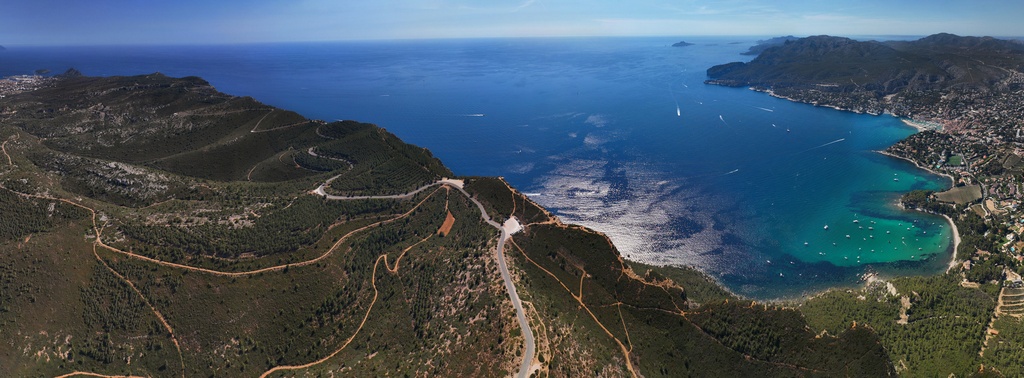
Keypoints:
(413, 39)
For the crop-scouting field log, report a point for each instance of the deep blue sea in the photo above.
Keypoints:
(618, 134)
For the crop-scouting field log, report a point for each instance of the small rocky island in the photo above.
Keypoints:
(682, 44)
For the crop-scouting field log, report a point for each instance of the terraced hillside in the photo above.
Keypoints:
(1011, 301)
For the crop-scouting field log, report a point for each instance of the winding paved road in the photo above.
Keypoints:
(524, 367)
(320, 191)
(510, 227)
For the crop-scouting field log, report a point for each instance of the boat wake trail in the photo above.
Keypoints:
(832, 142)
(826, 144)
(765, 109)
(723, 120)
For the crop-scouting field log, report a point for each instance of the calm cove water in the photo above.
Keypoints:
(618, 134)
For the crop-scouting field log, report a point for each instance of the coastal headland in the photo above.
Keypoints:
(297, 246)
(964, 113)
(964, 106)
(303, 246)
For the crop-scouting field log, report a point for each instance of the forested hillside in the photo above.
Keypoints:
(156, 227)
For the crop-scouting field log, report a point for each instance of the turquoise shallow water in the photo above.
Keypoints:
(619, 134)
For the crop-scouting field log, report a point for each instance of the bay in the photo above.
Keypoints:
(618, 134)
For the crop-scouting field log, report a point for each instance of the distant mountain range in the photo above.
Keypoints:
(836, 64)
(766, 43)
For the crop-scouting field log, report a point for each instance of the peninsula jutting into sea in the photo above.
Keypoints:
(159, 226)
(964, 95)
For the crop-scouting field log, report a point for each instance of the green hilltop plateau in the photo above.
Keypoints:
(154, 226)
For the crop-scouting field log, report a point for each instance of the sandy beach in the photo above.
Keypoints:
(921, 125)
(952, 225)
(956, 242)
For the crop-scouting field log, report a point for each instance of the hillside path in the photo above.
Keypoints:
(510, 227)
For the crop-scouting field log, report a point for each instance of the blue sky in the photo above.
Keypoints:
(72, 22)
